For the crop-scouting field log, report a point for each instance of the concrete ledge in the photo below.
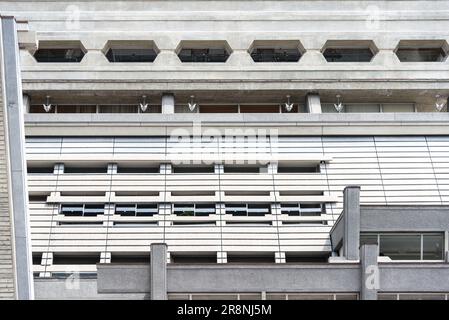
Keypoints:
(414, 277)
(289, 124)
(404, 218)
(233, 278)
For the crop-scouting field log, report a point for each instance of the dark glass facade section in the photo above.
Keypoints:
(348, 55)
(421, 54)
(203, 55)
(131, 55)
(59, 55)
(275, 55)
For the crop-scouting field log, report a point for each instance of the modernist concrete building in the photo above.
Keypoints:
(228, 149)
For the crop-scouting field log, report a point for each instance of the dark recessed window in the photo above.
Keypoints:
(131, 55)
(194, 209)
(136, 210)
(248, 210)
(421, 54)
(136, 170)
(130, 258)
(192, 259)
(59, 55)
(61, 258)
(193, 169)
(239, 258)
(203, 55)
(298, 169)
(80, 210)
(348, 54)
(275, 55)
(84, 170)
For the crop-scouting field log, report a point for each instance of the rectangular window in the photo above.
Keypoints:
(250, 258)
(47, 169)
(137, 170)
(193, 209)
(408, 246)
(193, 169)
(67, 258)
(193, 259)
(129, 258)
(244, 169)
(136, 210)
(398, 107)
(84, 170)
(80, 210)
(248, 210)
(298, 169)
(302, 209)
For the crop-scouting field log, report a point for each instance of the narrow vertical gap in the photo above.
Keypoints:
(55, 206)
(380, 171)
(331, 206)
(277, 205)
(109, 198)
(222, 205)
(433, 170)
(165, 183)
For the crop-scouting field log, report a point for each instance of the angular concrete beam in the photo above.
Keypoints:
(168, 103)
(313, 103)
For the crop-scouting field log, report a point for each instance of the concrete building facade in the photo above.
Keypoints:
(210, 149)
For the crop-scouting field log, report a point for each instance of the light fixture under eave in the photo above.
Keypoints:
(339, 105)
(288, 105)
(192, 104)
(143, 105)
(440, 103)
(47, 106)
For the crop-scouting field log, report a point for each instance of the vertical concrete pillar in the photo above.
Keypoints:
(313, 103)
(158, 276)
(12, 106)
(370, 271)
(351, 211)
(168, 103)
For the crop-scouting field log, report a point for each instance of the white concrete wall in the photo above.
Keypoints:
(391, 170)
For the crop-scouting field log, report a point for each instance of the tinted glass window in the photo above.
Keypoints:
(131, 55)
(348, 55)
(59, 55)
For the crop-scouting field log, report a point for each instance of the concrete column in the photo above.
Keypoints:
(313, 103)
(168, 103)
(158, 276)
(16, 164)
(351, 211)
(370, 271)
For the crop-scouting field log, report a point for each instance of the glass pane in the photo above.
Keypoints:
(420, 54)
(401, 247)
(59, 55)
(361, 108)
(421, 296)
(368, 238)
(131, 55)
(398, 107)
(348, 55)
(433, 247)
(328, 108)
(275, 55)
